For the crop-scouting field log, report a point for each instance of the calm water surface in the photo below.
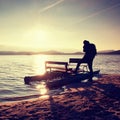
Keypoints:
(13, 69)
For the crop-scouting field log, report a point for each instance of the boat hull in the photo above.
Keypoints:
(70, 79)
(57, 79)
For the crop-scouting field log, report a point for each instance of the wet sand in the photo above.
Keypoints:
(99, 100)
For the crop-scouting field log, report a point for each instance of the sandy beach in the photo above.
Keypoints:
(99, 100)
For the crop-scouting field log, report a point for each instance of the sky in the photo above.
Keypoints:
(61, 25)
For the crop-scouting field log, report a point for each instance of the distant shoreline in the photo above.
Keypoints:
(116, 52)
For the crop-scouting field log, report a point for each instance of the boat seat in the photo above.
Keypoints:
(65, 66)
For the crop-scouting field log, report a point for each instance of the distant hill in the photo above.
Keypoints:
(105, 51)
(115, 52)
(14, 53)
(109, 52)
(51, 52)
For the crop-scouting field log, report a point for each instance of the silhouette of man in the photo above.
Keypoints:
(90, 53)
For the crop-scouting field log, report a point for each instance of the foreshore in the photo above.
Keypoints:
(98, 100)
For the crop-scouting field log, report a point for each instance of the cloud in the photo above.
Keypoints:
(51, 6)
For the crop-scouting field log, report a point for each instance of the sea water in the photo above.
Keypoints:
(13, 69)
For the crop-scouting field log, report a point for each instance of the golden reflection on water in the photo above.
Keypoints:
(44, 96)
(42, 88)
(39, 68)
(39, 64)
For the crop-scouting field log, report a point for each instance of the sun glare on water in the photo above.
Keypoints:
(39, 64)
(42, 88)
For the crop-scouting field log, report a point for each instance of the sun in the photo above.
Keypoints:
(39, 35)
(37, 38)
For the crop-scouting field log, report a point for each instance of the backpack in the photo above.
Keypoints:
(93, 49)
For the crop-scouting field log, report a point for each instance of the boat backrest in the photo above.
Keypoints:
(74, 60)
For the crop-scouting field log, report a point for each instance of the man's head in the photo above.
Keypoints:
(86, 42)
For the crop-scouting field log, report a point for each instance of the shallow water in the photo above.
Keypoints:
(13, 69)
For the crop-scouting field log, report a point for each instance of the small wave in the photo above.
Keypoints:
(10, 99)
(26, 97)
(6, 92)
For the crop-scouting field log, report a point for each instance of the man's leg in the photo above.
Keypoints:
(90, 67)
(91, 70)
(77, 67)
